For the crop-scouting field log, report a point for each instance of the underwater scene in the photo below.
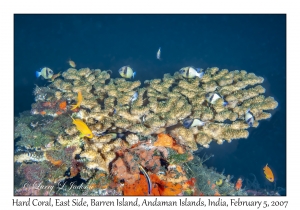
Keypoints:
(171, 105)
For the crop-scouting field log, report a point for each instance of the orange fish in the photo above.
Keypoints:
(238, 184)
(268, 173)
(79, 100)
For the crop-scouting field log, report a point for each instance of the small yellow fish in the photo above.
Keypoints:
(79, 100)
(268, 173)
(83, 128)
(72, 63)
(219, 182)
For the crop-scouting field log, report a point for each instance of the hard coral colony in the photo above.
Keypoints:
(153, 127)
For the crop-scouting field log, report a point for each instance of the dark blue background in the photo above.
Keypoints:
(255, 43)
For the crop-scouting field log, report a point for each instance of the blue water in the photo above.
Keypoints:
(255, 43)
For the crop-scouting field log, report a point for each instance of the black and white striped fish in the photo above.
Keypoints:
(127, 72)
(213, 97)
(249, 117)
(134, 97)
(45, 72)
(189, 123)
(191, 72)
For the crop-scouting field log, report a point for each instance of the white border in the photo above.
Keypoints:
(8, 8)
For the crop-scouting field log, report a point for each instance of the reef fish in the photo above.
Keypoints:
(46, 72)
(188, 123)
(72, 63)
(249, 118)
(158, 54)
(83, 128)
(213, 97)
(239, 184)
(147, 178)
(219, 182)
(134, 97)
(268, 173)
(126, 72)
(79, 100)
(54, 77)
(191, 72)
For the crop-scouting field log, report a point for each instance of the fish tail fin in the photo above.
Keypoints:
(37, 74)
(203, 123)
(74, 106)
(200, 74)
(134, 73)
